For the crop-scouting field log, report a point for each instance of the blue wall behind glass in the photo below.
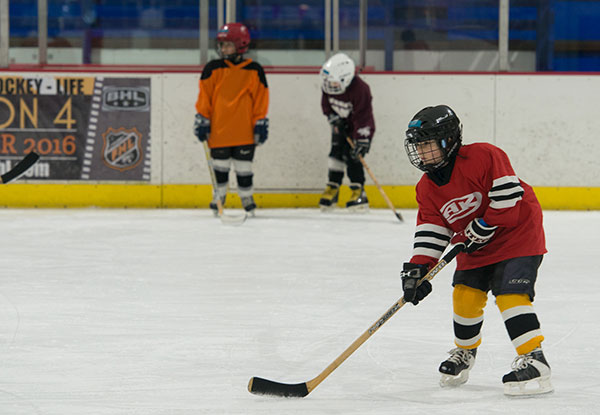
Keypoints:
(564, 34)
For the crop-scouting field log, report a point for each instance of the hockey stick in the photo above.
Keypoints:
(21, 167)
(387, 199)
(260, 386)
(231, 220)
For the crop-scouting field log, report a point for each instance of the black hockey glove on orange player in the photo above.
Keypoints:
(476, 235)
(201, 127)
(361, 147)
(411, 274)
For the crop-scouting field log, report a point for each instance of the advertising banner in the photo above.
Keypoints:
(84, 128)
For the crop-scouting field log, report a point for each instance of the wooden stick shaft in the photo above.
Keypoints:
(385, 196)
(213, 178)
(311, 384)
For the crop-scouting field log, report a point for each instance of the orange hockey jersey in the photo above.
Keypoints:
(233, 97)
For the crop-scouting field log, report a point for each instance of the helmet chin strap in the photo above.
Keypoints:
(234, 57)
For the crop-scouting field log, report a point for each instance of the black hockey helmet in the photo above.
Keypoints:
(433, 125)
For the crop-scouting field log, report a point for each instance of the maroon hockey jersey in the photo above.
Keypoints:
(483, 184)
(354, 104)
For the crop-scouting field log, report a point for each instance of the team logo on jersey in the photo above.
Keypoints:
(342, 108)
(364, 131)
(122, 148)
(461, 207)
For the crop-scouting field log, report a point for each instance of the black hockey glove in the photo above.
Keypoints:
(476, 235)
(361, 147)
(261, 131)
(338, 124)
(411, 274)
(201, 127)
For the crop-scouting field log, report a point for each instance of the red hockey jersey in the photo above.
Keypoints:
(483, 184)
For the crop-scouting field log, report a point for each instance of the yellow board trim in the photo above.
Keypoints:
(198, 196)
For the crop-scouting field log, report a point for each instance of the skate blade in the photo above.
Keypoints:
(326, 209)
(449, 381)
(358, 209)
(528, 388)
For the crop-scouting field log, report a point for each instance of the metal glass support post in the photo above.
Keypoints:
(389, 35)
(42, 32)
(362, 34)
(203, 33)
(230, 12)
(336, 26)
(327, 29)
(544, 48)
(220, 13)
(503, 20)
(4, 34)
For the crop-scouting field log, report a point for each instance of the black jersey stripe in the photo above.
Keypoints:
(255, 66)
(505, 186)
(429, 245)
(431, 234)
(515, 195)
(211, 66)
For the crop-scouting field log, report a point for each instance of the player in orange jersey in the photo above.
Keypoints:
(231, 112)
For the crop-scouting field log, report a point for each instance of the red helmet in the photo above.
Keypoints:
(236, 33)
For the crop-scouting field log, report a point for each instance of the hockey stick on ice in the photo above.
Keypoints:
(387, 199)
(232, 220)
(20, 169)
(260, 386)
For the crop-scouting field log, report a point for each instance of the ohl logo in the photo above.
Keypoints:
(122, 148)
(460, 207)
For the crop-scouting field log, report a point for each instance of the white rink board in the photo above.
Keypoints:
(537, 120)
(549, 126)
(546, 123)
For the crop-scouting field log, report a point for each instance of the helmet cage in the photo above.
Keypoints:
(437, 144)
(331, 85)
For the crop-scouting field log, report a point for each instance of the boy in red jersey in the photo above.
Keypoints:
(470, 194)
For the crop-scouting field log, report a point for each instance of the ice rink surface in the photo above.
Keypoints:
(171, 312)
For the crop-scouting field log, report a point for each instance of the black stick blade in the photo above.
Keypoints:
(260, 386)
(21, 167)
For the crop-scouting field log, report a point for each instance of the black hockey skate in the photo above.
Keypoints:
(249, 205)
(358, 199)
(530, 375)
(455, 370)
(329, 197)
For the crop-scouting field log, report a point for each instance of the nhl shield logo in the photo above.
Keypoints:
(122, 148)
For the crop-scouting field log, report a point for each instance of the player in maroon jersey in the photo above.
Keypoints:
(470, 194)
(346, 102)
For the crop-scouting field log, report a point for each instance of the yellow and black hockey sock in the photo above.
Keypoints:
(521, 322)
(468, 315)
